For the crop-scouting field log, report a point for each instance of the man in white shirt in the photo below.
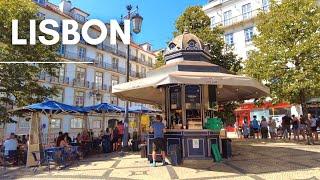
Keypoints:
(10, 144)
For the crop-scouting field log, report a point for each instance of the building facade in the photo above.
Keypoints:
(237, 19)
(87, 84)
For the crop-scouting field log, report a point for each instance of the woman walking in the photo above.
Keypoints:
(303, 126)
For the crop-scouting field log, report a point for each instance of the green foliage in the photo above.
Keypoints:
(160, 60)
(288, 51)
(18, 82)
(197, 22)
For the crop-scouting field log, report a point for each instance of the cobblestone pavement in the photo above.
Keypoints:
(251, 160)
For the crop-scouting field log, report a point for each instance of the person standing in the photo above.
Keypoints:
(303, 126)
(272, 127)
(246, 130)
(255, 127)
(286, 123)
(295, 127)
(264, 128)
(313, 126)
(158, 129)
(120, 127)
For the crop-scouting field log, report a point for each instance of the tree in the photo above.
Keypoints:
(18, 82)
(288, 52)
(160, 59)
(197, 22)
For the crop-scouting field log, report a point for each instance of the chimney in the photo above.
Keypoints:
(65, 6)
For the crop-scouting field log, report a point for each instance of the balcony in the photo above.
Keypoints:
(238, 19)
(81, 83)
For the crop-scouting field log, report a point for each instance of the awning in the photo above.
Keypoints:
(230, 87)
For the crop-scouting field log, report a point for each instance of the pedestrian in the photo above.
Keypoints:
(106, 141)
(115, 138)
(313, 125)
(246, 130)
(254, 124)
(264, 128)
(295, 127)
(303, 126)
(272, 127)
(120, 127)
(158, 130)
(286, 123)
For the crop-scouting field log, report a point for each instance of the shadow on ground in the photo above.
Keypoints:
(258, 157)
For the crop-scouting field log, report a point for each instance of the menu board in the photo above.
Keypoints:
(175, 97)
(193, 97)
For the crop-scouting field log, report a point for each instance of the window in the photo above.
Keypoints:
(76, 123)
(115, 63)
(100, 58)
(95, 124)
(248, 33)
(41, 15)
(62, 49)
(99, 80)
(61, 72)
(55, 124)
(150, 60)
(80, 76)
(265, 5)
(229, 39)
(143, 58)
(79, 18)
(192, 45)
(98, 99)
(143, 71)
(59, 96)
(172, 46)
(227, 18)
(82, 53)
(79, 98)
(42, 2)
(114, 80)
(114, 100)
(246, 11)
(213, 21)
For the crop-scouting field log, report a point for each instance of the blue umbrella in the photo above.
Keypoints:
(103, 107)
(52, 107)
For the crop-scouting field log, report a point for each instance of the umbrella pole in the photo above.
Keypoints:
(103, 121)
(34, 139)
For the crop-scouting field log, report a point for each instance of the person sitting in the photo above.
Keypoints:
(64, 142)
(68, 138)
(10, 147)
(59, 139)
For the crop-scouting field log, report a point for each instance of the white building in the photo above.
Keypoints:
(87, 84)
(237, 18)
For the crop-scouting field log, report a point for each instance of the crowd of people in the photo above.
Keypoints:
(299, 127)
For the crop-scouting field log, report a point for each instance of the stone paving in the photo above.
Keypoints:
(252, 159)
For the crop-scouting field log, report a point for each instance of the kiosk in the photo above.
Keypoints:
(188, 88)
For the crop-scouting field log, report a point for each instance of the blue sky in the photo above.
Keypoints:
(159, 16)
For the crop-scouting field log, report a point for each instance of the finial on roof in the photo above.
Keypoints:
(186, 30)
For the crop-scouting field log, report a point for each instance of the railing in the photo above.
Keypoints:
(238, 19)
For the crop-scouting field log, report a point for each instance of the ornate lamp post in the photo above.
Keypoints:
(136, 20)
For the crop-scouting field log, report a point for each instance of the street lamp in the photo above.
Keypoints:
(136, 20)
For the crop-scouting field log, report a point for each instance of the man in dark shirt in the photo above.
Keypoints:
(158, 129)
(286, 123)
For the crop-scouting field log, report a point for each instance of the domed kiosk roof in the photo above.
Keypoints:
(185, 41)
(188, 62)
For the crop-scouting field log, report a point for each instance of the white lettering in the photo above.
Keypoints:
(115, 28)
(49, 31)
(73, 31)
(15, 33)
(103, 34)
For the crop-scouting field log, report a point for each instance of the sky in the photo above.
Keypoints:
(159, 16)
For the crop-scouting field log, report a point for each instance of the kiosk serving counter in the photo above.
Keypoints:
(188, 88)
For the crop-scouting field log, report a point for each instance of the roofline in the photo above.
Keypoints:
(79, 10)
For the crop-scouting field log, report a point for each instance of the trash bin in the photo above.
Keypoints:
(226, 148)
(135, 146)
(143, 150)
(175, 154)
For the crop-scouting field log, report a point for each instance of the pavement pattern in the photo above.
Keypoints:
(252, 159)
